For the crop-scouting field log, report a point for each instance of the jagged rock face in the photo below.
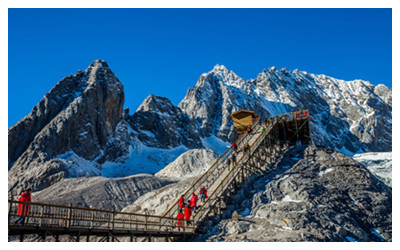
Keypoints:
(314, 194)
(191, 163)
(117, 147)
(77, 116)
(348, 115)
(100, 192)
(161, 124)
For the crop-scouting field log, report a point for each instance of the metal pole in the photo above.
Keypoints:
(69, 216)
(113, 220)
(41, 215)
(92, 220)
(9, 209)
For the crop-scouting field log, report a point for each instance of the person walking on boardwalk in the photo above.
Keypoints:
(23, 209)
(262, 128)
(193, 202)
(228, 162)
(181, 202)
(233, 159)
(246, 147)
(179, 218)
(187, 213)
(203, 194)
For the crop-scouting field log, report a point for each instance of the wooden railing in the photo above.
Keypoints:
(215, 196)
(208, 178)
(69, 217)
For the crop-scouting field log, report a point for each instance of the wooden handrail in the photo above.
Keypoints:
(233, 168)
(208, 170)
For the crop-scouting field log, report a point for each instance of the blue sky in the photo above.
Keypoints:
(164, 51)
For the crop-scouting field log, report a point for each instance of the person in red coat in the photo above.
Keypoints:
(249, 129)
(234, 146)
(180, 217)
(23, 209)
(181, 202)
(203, 194)
(187, 213)
(193, 202)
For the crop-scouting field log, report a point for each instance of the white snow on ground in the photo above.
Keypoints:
(374, 156)
(216, 144)
(142, 159)
(325, 171)
(288, 199)
(78, 166)
(380, 164)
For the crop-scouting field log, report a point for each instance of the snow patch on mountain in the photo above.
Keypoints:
(380, 164)
(78, 166)
(142, 159)
(216, 144)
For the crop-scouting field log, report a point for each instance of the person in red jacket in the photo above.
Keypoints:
(181, 202)
(249, 129)
(193, 202)
(234, 146)
(180, 217)
(187, 213)
(23, 209)
(203, 194)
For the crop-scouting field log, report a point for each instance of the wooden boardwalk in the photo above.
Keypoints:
(221, 181)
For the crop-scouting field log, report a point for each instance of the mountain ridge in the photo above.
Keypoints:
(351, 116)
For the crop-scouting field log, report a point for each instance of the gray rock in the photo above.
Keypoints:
(161, 124)
(191, 163)
(324, 196)
(100, 192)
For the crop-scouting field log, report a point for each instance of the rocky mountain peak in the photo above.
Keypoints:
(219, 68)
(96, 65)
(75, 119)
(156, 103)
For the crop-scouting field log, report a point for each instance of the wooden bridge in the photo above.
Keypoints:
(267, 143)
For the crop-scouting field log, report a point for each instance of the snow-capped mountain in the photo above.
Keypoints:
(79, 128)
(351, 116)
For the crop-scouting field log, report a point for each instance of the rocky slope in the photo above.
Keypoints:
(100, 192)
(315, 194)
(191, 163)
(157, 202)
(119, 193)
